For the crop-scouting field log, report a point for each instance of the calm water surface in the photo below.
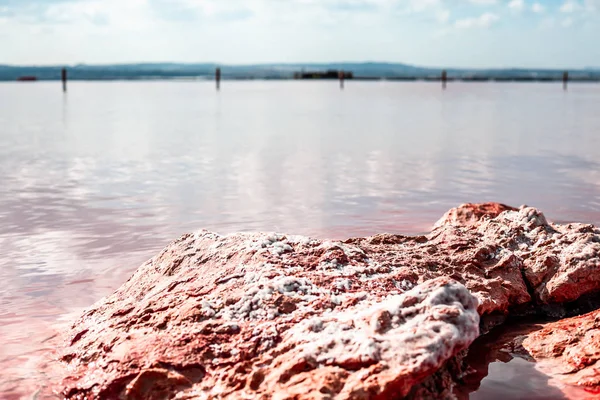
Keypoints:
(94, 182)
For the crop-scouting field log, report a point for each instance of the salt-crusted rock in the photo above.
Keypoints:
(257, 331)
(505, 258)
(569, 350)
(471, 214)
(274, 316)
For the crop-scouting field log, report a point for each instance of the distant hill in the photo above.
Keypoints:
(364, 70)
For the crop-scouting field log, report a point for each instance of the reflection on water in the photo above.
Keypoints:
(516, 379)
(500, 370)
(96, 181)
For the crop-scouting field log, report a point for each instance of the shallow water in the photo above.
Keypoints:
(515, 379)
(96, 181)
(497, 371)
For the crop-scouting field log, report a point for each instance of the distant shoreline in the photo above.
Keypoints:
(360, 79)
(359, 71)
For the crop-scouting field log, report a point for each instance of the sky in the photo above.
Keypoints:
(438, 33)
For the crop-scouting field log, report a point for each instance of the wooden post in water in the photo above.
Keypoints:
(565, 79)
(444, 79)
(64, 79)
(341, 76)
(218, 78)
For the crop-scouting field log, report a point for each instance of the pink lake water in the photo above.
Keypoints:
(94, 182)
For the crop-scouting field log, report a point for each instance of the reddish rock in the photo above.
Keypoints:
(558, 262)
(471, 214)
(569, 350)
(273, 316)
(224, 321)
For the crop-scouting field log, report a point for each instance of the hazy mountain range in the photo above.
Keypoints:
(366, 70)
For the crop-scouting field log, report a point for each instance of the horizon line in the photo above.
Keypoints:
(324, 63)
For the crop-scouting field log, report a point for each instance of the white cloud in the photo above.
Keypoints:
(538, 8)
(247, 31)
(548, 23)
(443, 16)
(592, 5)
(567, 22)
(570, 6)
(422, 5)
(129, 15)
(484, 21)
(484, 2)
(517, 5)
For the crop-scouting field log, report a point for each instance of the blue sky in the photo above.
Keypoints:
(445, 33)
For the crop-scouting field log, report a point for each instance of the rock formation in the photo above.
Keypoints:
(277, 316)
(569, 350)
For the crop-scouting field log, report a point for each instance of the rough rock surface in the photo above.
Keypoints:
(470, 214)
(274, 316)
(569, 350)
